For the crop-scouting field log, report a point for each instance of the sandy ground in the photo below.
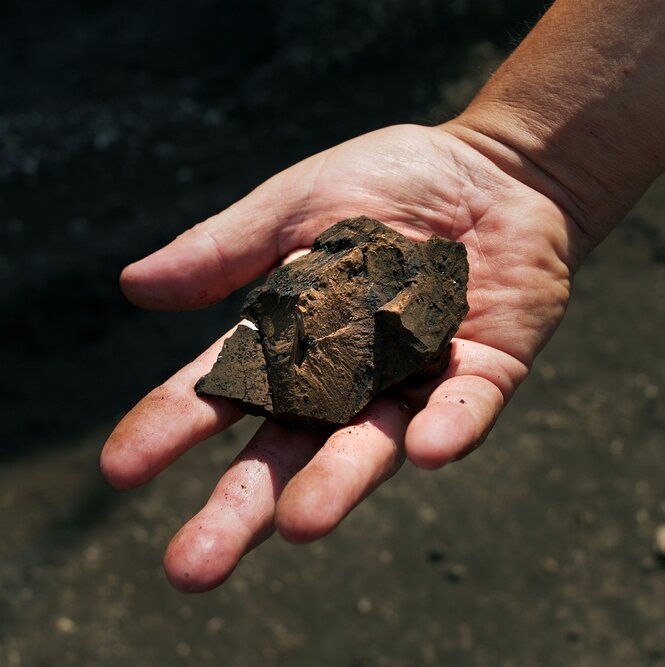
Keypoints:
(537, 550)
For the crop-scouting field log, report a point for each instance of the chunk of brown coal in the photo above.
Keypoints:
(365, 310)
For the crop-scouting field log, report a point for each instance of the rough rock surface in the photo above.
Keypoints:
(366, 309)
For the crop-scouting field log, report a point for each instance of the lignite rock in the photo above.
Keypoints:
(366, 309)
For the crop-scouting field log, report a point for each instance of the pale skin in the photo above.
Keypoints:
(559, 144)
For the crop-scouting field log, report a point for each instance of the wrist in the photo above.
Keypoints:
(577, 113)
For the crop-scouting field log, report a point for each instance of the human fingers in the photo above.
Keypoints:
(239, 514)
(165, 424)
(459, 410)
(352, 463)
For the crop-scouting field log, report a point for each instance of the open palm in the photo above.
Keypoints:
(420, 181)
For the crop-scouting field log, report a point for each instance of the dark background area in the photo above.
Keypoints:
(122, 124)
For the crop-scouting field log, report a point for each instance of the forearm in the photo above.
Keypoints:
(579, 108)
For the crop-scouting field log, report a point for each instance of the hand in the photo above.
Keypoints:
(421, 181)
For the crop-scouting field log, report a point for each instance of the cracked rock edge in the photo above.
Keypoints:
(366, 309)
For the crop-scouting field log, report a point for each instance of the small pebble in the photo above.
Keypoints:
(14, 658)
(455, 573)
(65, 625)
(386, 557)
(214, 625)
(659, 541)
(183, 650)
(364, 605)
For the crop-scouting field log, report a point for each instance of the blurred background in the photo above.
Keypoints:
(123, 123)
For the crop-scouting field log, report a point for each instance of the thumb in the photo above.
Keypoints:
(226, 251)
